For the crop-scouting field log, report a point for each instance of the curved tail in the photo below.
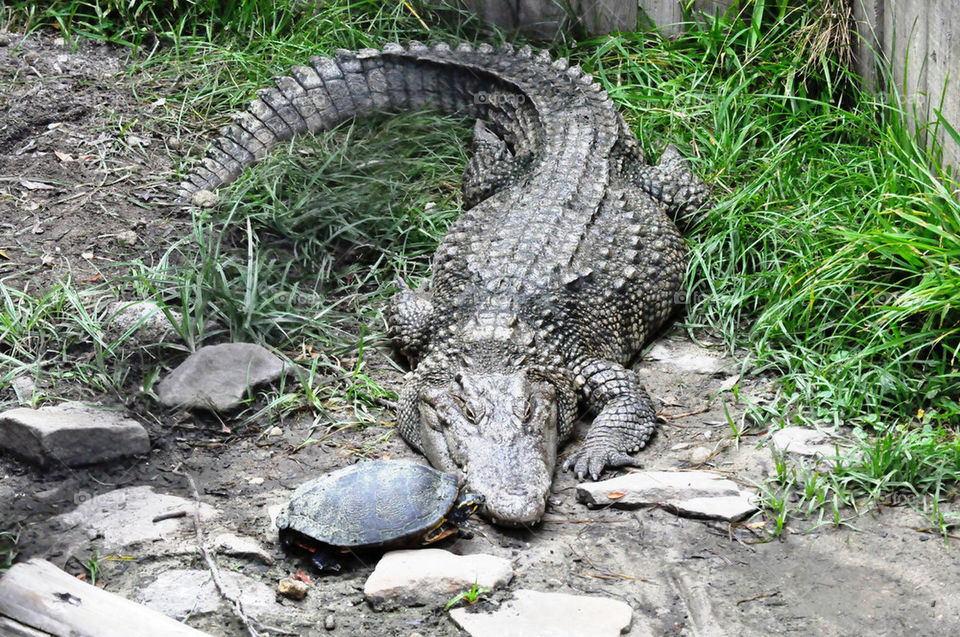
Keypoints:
(517, 85)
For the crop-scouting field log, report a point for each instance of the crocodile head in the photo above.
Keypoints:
(499, 431)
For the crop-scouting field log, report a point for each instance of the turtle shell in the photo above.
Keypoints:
(382, 502)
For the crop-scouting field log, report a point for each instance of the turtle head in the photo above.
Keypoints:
(498, 431)
(466, 505)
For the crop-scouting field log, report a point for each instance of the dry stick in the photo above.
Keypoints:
(215, 570)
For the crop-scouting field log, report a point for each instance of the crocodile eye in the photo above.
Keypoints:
(466, 409)
(470, 414)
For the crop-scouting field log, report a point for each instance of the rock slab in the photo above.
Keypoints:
(73, 434)
(217, 377)
(696, 494)
(431, 576)
(134, 516)
(179, 592)
(535, 614)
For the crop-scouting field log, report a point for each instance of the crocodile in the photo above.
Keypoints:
(566, 259)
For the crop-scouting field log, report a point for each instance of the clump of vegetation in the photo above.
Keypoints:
(470, 596)
(831, 254)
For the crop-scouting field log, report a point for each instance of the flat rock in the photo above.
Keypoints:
(804, 441)
(143, 321)
(218, 377)
(179, 592)
(697, 494)
(685, 356)
(135, 515)
(431, 576)
(73, 434)
(241, 546)
(536, 614)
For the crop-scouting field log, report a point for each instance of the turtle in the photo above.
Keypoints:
(379, 504)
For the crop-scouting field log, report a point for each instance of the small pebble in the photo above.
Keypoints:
(204, 199)
(329, 622)
(275, 432)
(126, 237)
(699, 455)
(59, 42)
(5, 39)
(292, 588)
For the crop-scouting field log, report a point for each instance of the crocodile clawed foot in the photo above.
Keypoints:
(593, 461)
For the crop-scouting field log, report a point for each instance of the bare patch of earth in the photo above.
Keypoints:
(880, 574)
(84, 166)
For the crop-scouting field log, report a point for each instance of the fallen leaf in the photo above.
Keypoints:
(64, 157)
(94, 279)
(615, 495)
(303, 577)
(81, 576)
(35, 185)
(4, 255)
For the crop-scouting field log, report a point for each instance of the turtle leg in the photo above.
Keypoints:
(326, 560)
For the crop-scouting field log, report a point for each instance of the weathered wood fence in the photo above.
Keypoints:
(917, 40)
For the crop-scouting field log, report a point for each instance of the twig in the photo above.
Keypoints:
(215, 570)
(687, 414)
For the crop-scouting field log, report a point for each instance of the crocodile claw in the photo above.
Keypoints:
(593, 461)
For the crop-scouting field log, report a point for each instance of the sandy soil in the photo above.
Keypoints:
(84, 172)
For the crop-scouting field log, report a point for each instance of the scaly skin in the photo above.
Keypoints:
(566, 261)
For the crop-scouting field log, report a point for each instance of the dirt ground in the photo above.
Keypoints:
(84, 174)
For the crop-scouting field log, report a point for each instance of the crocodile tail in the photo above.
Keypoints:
(334, 89)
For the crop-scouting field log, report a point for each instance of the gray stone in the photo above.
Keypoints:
(24, 387)
(181, 592)
(685, 356)
(536, 614)
(803, 441)
(73, 434)
(431, 576)
(240, 546)
(218, 376)
(135, 516)
(698, 494)
(143, 321)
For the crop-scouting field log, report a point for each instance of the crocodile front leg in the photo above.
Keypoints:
(624, 423)
(673, 184)
(408, 321)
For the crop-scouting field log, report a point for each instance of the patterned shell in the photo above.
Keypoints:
(370, 503)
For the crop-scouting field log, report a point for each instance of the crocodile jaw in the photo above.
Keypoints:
(499, 433)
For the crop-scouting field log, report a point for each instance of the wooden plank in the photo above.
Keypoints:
(942, 81)
(11, 628)
(868, 40)
(607, 16)
(41, 596)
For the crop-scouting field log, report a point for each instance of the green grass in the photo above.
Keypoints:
(831, 255)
